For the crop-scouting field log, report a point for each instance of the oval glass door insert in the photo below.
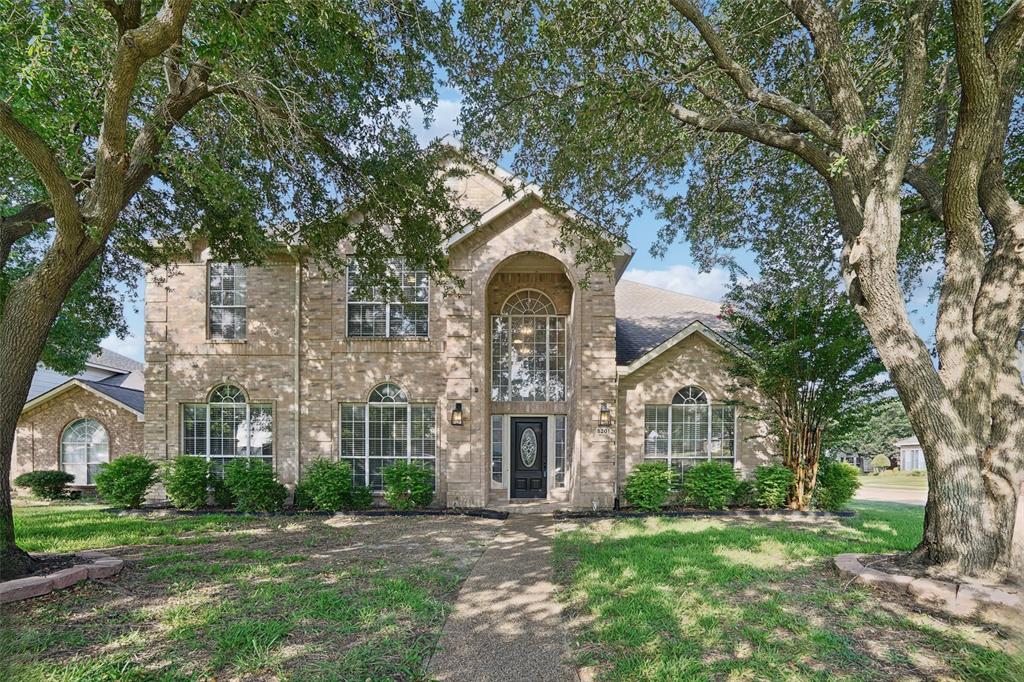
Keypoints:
(528, 447)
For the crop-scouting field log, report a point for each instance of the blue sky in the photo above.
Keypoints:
(676, 271)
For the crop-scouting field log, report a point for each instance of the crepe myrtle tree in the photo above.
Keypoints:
(802, 348)
(129, 130)
(905, 120)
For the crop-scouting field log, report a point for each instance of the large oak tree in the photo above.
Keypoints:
(900, 122)
(130, 129)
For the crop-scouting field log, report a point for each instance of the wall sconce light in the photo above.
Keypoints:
(605, 417)
(457, 415)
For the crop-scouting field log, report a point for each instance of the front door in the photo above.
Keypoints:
(529, 457)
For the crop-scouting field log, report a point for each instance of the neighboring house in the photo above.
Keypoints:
(911, 457)
(862, 462)
(77, 423)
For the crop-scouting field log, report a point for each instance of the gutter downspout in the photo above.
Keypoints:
(296, 355)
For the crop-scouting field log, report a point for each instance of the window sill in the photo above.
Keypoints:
(229, 341)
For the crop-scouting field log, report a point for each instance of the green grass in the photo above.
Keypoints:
(695, 599)
(235, 598)
(903, 480)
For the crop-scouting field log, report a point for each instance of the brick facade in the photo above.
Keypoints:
(37, 442)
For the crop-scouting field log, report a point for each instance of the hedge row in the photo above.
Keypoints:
(247, 485)
(714, 485)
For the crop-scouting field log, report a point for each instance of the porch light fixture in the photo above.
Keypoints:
(457, 415)
(605, 417)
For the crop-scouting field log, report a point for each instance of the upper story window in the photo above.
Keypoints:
(528, 349)
(371, 314)
(226, 287)
(690, 430)
(227, 426)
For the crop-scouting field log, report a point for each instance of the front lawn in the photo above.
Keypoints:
(755, 599)
(228, 597)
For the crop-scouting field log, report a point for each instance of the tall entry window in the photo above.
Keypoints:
(384, 430)
(528, 349)
(689, 431)
(226, 427)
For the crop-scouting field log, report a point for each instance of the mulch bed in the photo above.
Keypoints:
(171, 511)
(46, 564)
(689, 511)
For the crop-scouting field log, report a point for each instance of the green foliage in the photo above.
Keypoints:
(874, 429)
(361, 497)
(880, 462)
(222, 496)
(408, 485)
(186, 480)
(301, 499)
(745, 494)
(253, 486)
(648, 485)
(46, 485)
(328, 485)
(124, 481)
(772, 484)
(837, 483)
(710, 485)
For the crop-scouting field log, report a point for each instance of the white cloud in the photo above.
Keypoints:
(132, 346)
(445, 117)
(685, 279)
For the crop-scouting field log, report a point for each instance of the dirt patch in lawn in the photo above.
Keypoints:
(278, 598)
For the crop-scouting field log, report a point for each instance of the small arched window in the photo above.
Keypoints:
(84, 446)
(227, 426)
(691, 395)
(387, 393)
(690, 430)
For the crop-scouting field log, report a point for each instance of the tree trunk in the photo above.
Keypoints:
(802, 455)
(28, 314)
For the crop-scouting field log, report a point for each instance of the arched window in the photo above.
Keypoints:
(690, 430)
(227, 426)
(84, 446)
(385, 429)
(528, 349)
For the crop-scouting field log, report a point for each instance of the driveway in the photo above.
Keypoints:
(888, 493)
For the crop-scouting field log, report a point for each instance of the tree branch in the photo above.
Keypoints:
(745, 82)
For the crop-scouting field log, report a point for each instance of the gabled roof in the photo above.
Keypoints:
(649, 318)
(910, 441)
(108, 359)
(128, 398)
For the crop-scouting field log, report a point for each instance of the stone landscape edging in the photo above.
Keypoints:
(100, 566)
(964, 600)
(611, 513)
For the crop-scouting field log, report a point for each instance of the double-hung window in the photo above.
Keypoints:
(384, 430)
(226, 295)
(227, 427)
(689, 431)
(372, 314)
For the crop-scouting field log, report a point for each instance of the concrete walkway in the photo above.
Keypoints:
(507, 624)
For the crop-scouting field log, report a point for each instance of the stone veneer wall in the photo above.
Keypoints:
(694, 361)
(37, 441)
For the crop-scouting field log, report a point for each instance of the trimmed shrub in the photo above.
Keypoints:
(300, 500)
(222, 497)
(46, 485)
(648, 485)
(361, 497)
(837, 482)
(745, 494)
(124, 481)
(772, 484)
(879, 462)
(187, 480)
(252, 483)
(408, 485)
(328, 485)
(710, 485)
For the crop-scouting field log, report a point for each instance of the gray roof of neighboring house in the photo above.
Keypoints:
(96, 368)
(126, 396)
(647, 316)
(910, 441)
(109, 358)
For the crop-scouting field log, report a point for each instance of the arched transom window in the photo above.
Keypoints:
(528, 349)
(84, 446)
(227, 426)
(690, 430)
(385, 429)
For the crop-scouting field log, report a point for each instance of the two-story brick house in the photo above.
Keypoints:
(522, 385)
